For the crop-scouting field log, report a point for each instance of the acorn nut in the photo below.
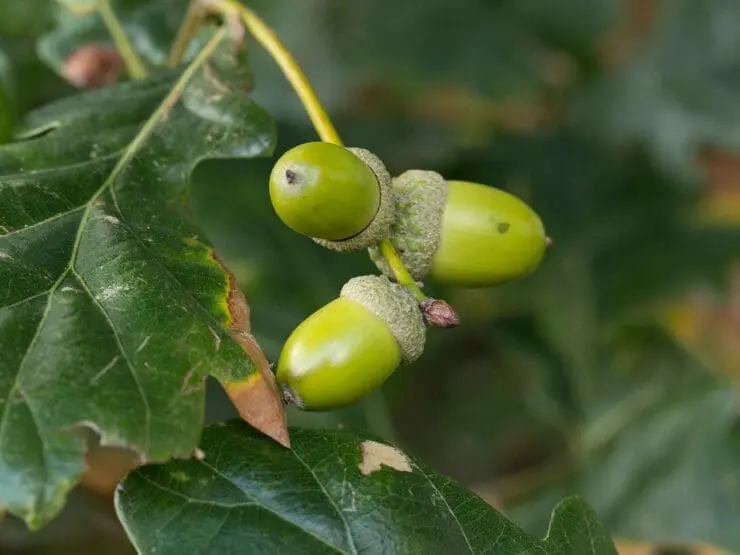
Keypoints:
(340, 197)
(462, 233)
(349, 347)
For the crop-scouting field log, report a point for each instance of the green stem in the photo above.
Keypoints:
(289, 66)
(316, 112)
(399, 269)
(134, 65)
(190, 26)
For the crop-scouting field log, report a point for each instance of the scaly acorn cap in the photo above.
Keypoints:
(420, 202)
(396, 306)
(379, 228)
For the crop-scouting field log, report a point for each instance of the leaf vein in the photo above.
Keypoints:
(134, 373)
(331, 500)
(186, 497)
(24, 301)
(42, 222)
(449, 509)
(257, 502)
(31, 346)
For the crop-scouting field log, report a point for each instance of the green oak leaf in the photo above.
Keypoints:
(114, 307)
(334, 492)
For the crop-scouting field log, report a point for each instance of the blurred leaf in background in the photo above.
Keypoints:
(677, 93)
(151, 26)
(25, 19)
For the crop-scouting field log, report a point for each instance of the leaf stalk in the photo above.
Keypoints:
(190, 26)
(134, 66)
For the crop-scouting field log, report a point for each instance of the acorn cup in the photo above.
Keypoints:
(461, 233)
(340, 197)
(350, 346)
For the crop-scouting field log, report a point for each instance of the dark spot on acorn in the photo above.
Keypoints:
(503, 227)
(292, 177)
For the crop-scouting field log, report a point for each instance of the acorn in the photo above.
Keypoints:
(350, 346)
(340, 197)
(462, 233)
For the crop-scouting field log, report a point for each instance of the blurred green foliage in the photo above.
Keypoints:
(596, 112)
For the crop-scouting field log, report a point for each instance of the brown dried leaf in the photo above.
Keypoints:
(257, 399)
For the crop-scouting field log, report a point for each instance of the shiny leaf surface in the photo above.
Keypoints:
(114, 307)
(334, 492)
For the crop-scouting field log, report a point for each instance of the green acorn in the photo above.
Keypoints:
(349, 347)
(340, 197)
(462, 233)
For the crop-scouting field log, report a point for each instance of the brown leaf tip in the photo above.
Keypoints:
(93, 66)
(376, 455)
(236, 302)
(259, 404)
(439, 314)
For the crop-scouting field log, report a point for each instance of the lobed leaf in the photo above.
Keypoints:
(114, 307)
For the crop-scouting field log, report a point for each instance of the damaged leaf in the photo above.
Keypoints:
(114, 307)
(316, 498)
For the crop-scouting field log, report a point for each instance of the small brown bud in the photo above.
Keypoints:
(437, 313)
(92, 66)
